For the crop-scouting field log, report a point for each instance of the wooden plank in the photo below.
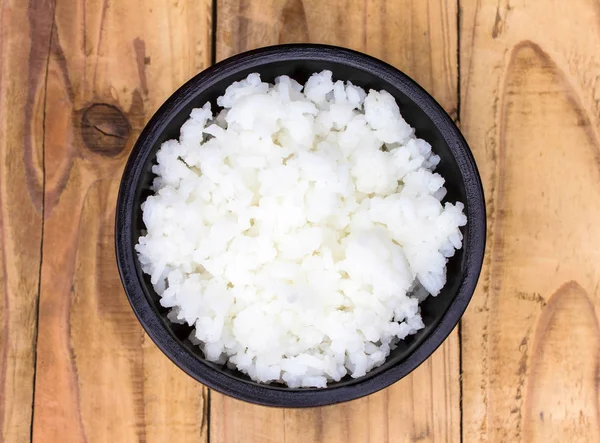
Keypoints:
(422, 407)
(419, 37)
(24, 35)
(99, 378)
(530, 82)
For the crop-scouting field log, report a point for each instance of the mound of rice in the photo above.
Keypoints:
(292, 228)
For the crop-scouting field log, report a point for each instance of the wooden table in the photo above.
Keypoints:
(78, 81)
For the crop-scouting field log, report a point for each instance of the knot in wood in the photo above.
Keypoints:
(104, 129)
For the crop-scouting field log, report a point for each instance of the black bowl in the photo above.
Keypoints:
(440, 314)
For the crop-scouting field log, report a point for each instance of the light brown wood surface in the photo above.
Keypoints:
(78, 81)
(98, 377)
(23, 51)
(530, 95)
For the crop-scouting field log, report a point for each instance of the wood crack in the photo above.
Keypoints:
(43, 208)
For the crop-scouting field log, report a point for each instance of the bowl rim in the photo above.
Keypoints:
(263, 394)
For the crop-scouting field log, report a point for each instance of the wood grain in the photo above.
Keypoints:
(99, 378)
(24, 36)
(78, 80)
(422, 407)
(419, 37)
(530, 107)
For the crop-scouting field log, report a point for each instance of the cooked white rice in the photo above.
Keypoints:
(291, 228)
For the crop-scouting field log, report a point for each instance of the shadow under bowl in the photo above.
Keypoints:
(440, 314)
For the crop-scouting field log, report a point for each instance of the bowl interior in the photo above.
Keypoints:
(432, 309)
